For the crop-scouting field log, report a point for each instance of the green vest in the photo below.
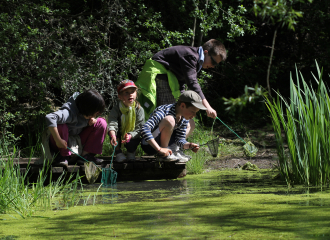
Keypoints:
(147, 85)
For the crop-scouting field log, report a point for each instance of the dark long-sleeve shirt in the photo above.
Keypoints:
(183, 62)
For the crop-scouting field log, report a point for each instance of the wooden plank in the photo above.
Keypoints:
(57, 169)
(128, 165)
(138, 165)
(73, 168)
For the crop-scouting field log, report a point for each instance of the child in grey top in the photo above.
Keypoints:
(78, 117)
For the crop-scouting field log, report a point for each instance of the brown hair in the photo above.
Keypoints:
(215, 47)
(188, 104)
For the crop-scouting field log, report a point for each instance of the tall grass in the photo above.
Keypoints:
(18, 195)
(200, 136)
(304, 120)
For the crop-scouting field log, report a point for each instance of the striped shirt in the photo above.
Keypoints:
(157, 116)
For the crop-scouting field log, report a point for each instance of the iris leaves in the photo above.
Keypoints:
(302, 122)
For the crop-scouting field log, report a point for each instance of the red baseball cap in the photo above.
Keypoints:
(125, 84)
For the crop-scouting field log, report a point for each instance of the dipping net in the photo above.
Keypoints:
(249, 149)
(109, 176)
(213, 146)
(92, 171)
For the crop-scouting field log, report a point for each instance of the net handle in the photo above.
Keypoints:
(230, 129)
(82, 157)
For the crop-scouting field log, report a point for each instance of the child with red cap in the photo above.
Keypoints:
(125, 121)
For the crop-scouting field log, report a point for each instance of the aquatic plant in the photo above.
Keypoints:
(304, 119)
(18, 195)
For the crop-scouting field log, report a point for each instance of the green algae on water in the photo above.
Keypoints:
(233, 204)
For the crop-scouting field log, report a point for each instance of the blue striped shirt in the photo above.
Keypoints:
(157, 116)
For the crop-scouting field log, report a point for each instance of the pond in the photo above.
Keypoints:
(229, 204)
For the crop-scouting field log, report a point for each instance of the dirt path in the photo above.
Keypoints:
(266, 157)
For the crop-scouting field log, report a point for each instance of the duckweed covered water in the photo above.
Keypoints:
(229, 204)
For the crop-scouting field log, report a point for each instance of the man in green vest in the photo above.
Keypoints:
(163, 77)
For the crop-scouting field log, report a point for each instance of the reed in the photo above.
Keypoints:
(19, 196)
(304, 120)
(200, 136)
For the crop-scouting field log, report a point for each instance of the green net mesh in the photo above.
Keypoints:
(109, 177)
(213, 146)
(92, 172)
(250, 150)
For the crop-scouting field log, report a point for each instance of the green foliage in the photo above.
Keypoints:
(239, 103)
(279, 11)
(238, 23)
(21, 197)
(305, 122)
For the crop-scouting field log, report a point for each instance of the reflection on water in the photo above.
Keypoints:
(183, 189)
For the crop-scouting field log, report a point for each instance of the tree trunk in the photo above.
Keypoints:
(270, 61)
(193, 37)
(201, 36)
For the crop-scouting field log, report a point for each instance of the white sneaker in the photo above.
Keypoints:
(131, 156)
(182, 158)
(185, 155)
(120, 157)
(174, 147)
(169, 158)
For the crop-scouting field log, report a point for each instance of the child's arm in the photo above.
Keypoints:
(113, 124)
(60, 143)
(162, 151)
(92, 121)
(192, 146)
(113, 138)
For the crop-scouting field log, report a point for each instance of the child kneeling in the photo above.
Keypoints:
(169, 125)
(125, 121)
(76, 120)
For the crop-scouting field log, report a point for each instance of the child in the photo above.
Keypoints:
(163, 77)
(168, 125)
(125, 121)
(77, 117)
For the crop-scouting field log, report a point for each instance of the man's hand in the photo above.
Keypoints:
(211, 112)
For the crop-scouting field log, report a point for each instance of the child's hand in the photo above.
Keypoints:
(127, 138)
(194, 147)
(113, 140)
(61, 143)
(91, 121)
(165, 152)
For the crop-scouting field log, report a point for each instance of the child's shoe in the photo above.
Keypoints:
(120, 157)
(169, 158)
(91, 158)
(130, 156)
(181, 157)
(62, 161)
